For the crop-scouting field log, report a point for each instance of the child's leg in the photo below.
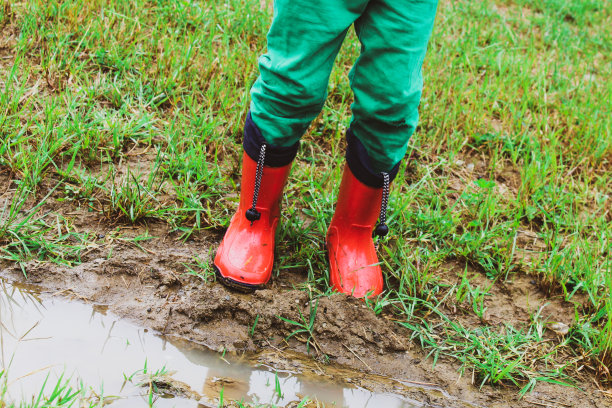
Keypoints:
(303, 42)
(386, 79)
(387, 83)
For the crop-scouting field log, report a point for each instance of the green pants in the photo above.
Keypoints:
(386, 80)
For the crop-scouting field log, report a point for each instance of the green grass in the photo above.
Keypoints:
(62, 393)
(26, 233)
(146, 384)
(154, 384)
(138, 116)
(305, 328)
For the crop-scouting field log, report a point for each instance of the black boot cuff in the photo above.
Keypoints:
(276, 156)
(359, 163)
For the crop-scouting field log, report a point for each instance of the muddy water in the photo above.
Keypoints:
(42, 335)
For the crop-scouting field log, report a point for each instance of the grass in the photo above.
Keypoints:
(305, 328)
(26, 234)
(61, 393)
(138, 117)
(65, 393)
(154, 384)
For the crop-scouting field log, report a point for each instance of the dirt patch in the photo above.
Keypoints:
(170, 301)
(516, 301)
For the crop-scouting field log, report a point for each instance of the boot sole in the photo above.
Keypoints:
(240, 286)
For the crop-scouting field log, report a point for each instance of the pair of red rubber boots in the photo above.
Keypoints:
(246, 255)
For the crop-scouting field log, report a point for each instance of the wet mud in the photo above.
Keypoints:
(149, 284)
(38, 340)
(141, 274)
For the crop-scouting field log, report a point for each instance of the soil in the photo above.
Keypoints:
(150, 285)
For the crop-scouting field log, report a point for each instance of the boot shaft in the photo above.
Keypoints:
(358, 204)
(273, 182)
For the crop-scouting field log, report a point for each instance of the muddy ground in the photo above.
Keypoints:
(150, 285)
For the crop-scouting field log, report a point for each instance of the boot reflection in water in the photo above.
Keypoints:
(303, 41)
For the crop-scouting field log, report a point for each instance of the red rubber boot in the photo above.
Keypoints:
(353, 263)
(245, 257)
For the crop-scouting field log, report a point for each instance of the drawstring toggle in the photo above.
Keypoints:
(252, 214)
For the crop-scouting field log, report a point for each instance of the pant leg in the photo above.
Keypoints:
(303, 42)
(387, 79)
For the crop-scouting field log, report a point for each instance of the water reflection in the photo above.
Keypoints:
(87, 343)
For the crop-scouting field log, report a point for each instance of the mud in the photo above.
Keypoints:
(515, 301)
(38, 341)
(139, 273)
(149, 285)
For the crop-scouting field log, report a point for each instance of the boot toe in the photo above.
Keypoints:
(231, 274)
(246, 255)
(361, 284)
(354, 269)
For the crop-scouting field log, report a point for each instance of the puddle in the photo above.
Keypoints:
(44, 336)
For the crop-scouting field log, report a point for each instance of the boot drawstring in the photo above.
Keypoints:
(252, 214)
(382, 229)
